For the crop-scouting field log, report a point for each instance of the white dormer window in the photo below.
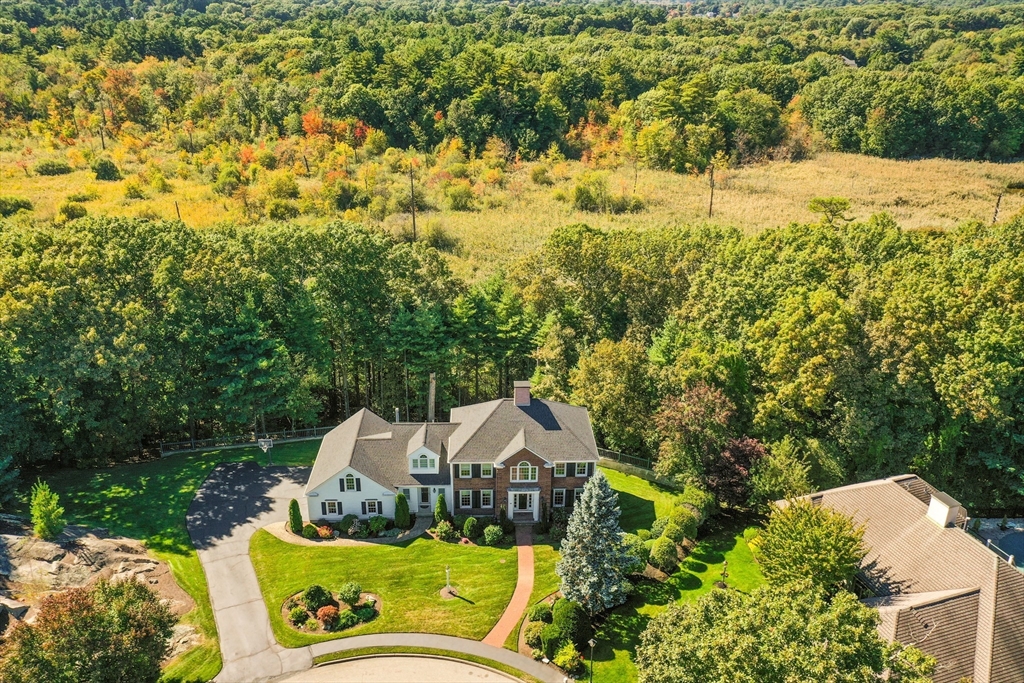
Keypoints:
(423, 463)
(524, 471)
(465, 471)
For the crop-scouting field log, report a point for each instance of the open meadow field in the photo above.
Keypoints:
(510, 219)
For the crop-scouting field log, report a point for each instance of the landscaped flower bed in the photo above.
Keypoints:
(317, 610)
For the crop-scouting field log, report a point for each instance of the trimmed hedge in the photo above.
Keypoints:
(493, 534)
(402, 517)
(540, 612)
(571, 621)
(663, 554)
(469, 528)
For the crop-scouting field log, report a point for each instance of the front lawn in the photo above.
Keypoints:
(408, 578)
(148, 501)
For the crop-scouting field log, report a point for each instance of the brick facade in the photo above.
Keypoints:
(502, 482)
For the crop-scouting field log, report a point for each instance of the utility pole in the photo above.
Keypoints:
(412, 201)
(711, 201)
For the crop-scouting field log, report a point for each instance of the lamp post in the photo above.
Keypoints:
(591, 643)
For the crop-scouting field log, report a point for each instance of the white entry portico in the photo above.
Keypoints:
(524, 504)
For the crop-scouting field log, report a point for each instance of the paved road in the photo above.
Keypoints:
(400, 669)
(234, 502)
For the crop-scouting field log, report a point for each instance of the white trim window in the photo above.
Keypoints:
(333, 508)
(559, 469)
(372, 509)
(558, 499)
(350, 482)
(524, 471)
(487, 471)
(487, 498)
(576, 495)
(465, 471)
(466, 498)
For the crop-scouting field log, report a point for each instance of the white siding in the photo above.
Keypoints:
(351, 501)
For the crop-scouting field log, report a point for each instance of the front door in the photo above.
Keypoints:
(522, 502)
(424, 497)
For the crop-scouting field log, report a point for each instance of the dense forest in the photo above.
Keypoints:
(848, 351)
(829, 352)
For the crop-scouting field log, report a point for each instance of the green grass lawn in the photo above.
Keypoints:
(619, 635)
(148, 501)
(407, 577)
(641, 501)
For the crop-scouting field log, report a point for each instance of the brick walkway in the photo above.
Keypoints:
(520, 601)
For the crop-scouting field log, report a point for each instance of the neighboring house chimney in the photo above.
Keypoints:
(430, 398)
(521, 393)
(943, 509)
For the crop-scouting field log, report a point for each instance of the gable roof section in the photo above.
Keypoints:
(910, 555)
(493, 431)
(379, 451)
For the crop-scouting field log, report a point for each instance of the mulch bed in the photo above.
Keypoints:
(297, 597)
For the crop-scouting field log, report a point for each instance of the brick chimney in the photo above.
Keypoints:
(521, 393)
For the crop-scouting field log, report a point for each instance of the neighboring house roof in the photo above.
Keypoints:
(496, 430)
(379, 451)
(938, 587)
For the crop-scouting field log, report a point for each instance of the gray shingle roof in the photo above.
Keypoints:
(909, 555)
(379, 451)
(552, 430)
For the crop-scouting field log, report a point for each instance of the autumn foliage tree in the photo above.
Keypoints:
(109, 632)
(694, 427)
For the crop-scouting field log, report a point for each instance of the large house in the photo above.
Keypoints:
(521, 453)
(935, 585)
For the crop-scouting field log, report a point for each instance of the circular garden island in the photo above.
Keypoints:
(318, 610)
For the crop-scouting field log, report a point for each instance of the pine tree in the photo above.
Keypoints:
(594, 561)
(47, 514)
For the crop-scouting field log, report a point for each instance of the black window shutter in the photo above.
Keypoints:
(341, 483)
(323, 508)
(359, 484)
(475, 471)
(476, 499)
(364, 507)
(590, 469)
(380, 508)
(339, 508)
(570, 469)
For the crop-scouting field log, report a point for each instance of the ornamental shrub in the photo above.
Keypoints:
(349, 593)
(402, 520)
(644, 534)
(12, 205)
(378, 523)
(568, 659)
(310, 531)
(674, 532)
(365, 613)
(459, 521)
(469, 528)
(663, 554)
(346, 619)
(441, 509)
(571, 621)
(105, 169)
(346, 523)
(298, 616)
(701, 502)
(328, 616)
(294, 517)
(445, 531)
(325, 531)
(532, 634)
(637, 550)
(53, 167)
(551, 638)
(507, 525)
(493, 534)
(315, 597)
(658, 528)
(540, 612)
(684, 518)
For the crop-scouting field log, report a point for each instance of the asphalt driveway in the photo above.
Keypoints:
(234, 502)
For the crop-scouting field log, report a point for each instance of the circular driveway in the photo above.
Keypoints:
(400, 669)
